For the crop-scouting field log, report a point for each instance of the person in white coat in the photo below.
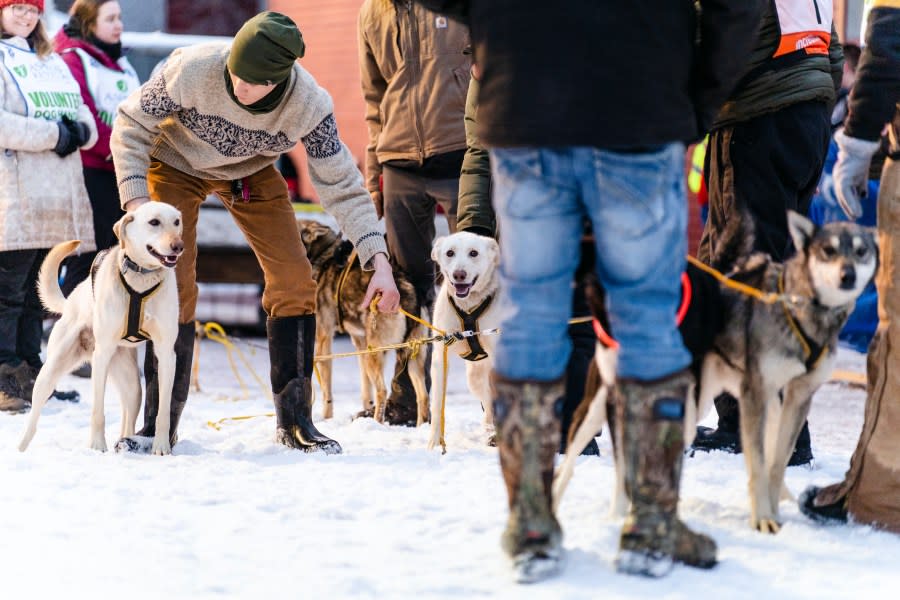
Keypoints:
(43, 200)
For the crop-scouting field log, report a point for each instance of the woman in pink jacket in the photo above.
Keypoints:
(91, 46)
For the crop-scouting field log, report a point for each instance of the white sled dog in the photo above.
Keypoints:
(467, 301)
(130, 297)
(772, 357)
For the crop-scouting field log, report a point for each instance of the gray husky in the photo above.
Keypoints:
(772, 357)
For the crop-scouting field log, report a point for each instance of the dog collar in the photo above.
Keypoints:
(130, 265)
(812, 350)
(470, 323)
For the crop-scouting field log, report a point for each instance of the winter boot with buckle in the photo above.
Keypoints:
(651, 419)
(527, 415)
(142, 441)
(292, 342)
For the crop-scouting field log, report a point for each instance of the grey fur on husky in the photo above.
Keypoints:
(329, 255)
(760, 358)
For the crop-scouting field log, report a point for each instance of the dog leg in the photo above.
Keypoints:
(126, 380)
(794, 410)
(416, 369)
(62, 355)
(165, 359)
(437, 396)
(323, 348)
(753, 406)
(99, 369)
(478, 378)
(593, 421)
(372, 376)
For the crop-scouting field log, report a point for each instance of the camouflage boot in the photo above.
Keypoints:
(527, 419)
(651, 438)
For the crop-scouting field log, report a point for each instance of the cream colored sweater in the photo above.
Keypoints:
(185, 118)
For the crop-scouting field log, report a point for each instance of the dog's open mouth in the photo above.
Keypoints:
(167, 260)
(462, 289)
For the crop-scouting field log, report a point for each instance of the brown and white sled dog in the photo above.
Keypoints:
(772, 357)
(130, 297)
(341, 287)
(467, 301)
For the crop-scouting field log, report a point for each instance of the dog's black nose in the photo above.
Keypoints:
(459, 275)
(848, 277)
(178, 247)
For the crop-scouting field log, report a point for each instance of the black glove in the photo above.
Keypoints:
(68, 142)
(78, 129)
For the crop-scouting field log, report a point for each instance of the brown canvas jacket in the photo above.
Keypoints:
(414, 79)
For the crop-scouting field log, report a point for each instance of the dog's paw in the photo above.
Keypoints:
(767, 525)
(136, 444)
(161, 447)
(98, 444)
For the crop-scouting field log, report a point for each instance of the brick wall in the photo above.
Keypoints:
(329, 30)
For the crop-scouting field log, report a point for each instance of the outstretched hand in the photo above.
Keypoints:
(382, 284)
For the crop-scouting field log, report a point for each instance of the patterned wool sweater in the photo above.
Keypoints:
(185, 118)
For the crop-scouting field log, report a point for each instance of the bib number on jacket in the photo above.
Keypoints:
(46, 85)
(805, 26)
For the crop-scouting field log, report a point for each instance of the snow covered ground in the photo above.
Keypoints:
(232, 515)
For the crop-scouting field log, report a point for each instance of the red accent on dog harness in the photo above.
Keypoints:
(686, 292)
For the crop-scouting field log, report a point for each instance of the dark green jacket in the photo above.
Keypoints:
(474, 211)
(763, 90)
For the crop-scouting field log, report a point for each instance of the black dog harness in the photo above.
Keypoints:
(135, 315)
(812, 350)
(469, 322)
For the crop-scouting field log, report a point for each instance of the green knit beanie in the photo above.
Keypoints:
(265, 48)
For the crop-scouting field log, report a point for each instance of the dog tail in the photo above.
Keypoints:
(48, 279)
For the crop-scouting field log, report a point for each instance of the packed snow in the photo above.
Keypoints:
(232, 515)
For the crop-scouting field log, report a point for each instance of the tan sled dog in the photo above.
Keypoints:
(130, 297)
(466, 301)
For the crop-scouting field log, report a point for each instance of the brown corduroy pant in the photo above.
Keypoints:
(268, 223)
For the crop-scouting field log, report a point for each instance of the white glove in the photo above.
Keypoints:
(851, 172)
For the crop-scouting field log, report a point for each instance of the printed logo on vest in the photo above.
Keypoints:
(21, 70)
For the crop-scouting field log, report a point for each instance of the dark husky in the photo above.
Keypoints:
(772, 357)
(341, 287)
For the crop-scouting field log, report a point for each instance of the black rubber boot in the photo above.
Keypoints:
(142, 441)
(802, 454)
(292, 342)
(828, 514)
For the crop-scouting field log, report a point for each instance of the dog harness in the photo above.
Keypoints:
(686, 292)
(340, 287)
(134, 317)
(469, 322)
(812, 350)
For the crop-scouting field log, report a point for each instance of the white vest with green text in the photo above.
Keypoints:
(46, 85)
(108, 87)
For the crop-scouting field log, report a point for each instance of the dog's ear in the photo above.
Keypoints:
(494, 249)
(436, 247)
(119, 228)
(801, 228)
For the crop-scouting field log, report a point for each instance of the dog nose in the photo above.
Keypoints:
(178, 247)
(848, 277)
(459, 275)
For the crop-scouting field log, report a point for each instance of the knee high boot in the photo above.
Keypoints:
(292, 342)
(650, 416)
(184, 359)
(527, 417)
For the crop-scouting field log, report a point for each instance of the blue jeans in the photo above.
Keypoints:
(637, 206)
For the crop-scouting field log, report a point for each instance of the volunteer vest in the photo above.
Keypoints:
(805, 26)
(108, 87)
(45, 84)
